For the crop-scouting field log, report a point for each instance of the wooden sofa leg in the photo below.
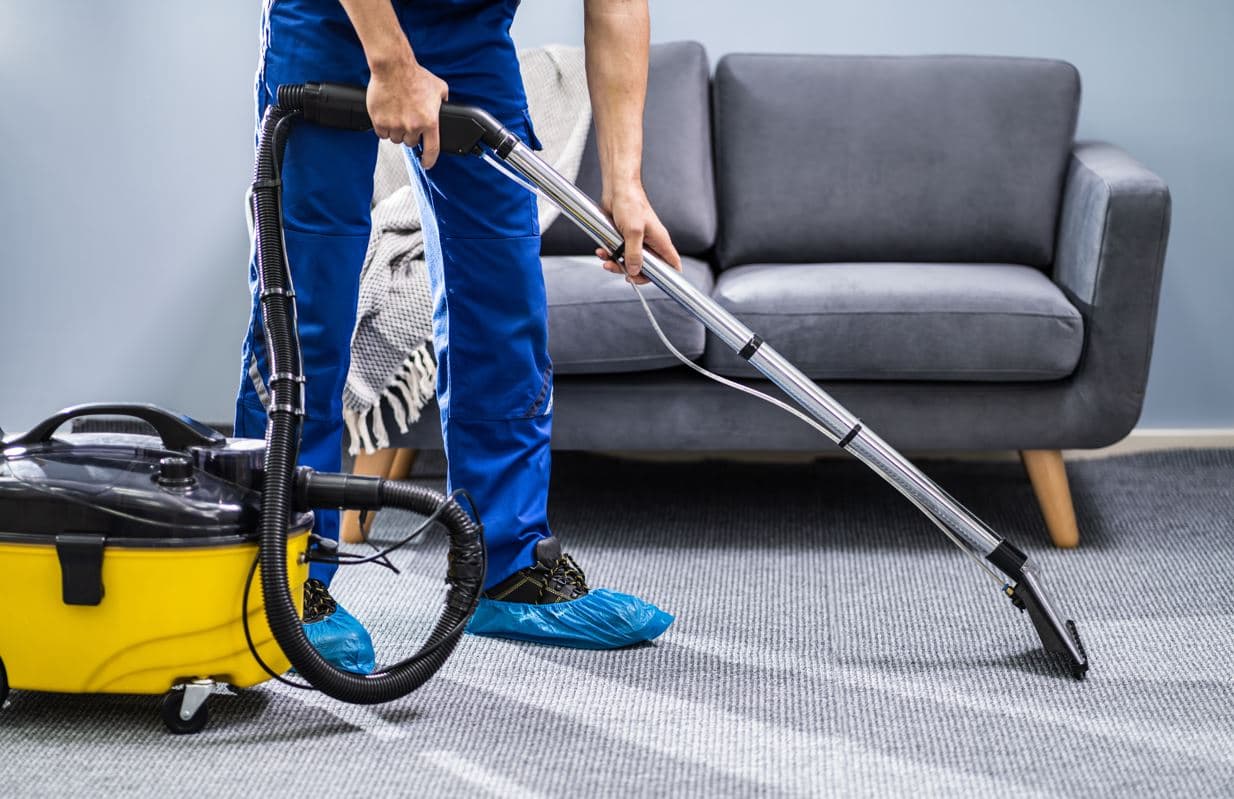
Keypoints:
(404, 460)
(1049, 478)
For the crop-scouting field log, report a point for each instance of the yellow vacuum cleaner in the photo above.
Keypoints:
(135, 559)
(129, 557)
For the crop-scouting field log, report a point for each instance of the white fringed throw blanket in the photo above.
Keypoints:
(391, 355)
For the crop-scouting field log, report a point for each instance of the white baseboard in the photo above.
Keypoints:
(1140, 440)
(1154, 439)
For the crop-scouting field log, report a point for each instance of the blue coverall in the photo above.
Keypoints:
(482, 245)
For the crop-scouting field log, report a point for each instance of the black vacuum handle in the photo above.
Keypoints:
(178, 432)
(462, 127)
(334, 105)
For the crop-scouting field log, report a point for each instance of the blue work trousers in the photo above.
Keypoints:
(482, 244)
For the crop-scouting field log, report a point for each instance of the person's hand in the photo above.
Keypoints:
(404, 100)
(640, 227)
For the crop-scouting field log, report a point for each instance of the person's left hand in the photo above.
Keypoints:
(640, 227)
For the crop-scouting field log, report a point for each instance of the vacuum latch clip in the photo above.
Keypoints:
(81, 568)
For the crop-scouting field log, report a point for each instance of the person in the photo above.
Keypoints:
(482, 246)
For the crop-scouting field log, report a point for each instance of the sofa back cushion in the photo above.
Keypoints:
(676, 155)
(899, 158)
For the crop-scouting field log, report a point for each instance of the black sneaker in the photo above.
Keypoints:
(318, 604)
(554, 577)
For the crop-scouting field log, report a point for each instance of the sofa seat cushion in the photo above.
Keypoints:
(596, 324)
(900, 321)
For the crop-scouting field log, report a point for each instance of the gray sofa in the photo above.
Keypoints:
(921, 235)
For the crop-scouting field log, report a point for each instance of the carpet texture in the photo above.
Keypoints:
(829, 642)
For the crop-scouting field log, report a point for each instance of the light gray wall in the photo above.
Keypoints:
(125, 149)
(125, 146)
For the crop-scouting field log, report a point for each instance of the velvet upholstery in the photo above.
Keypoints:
(596, 324)
(888, 321)
(862, 158)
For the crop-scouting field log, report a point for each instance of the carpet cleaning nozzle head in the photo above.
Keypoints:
(1058, 637)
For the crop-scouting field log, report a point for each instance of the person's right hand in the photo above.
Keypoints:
(404, 101)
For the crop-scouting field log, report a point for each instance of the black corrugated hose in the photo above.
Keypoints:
(285, 489)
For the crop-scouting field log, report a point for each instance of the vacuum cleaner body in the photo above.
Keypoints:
(129, 558)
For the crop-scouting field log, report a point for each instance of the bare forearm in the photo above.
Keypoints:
(385, 45)
(403, 98)
(617, 34)
(617, 37)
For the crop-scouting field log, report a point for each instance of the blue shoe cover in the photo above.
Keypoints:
(602, 619)
(341, 639)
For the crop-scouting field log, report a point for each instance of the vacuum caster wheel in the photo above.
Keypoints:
(185, 711)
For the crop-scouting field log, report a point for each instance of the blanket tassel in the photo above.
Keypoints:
(411, 388)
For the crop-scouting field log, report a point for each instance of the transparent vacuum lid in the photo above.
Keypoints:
(121, 486)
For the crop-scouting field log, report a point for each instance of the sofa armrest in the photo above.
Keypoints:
(1112, 234)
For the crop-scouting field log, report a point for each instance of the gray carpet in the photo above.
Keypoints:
(829, 642)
